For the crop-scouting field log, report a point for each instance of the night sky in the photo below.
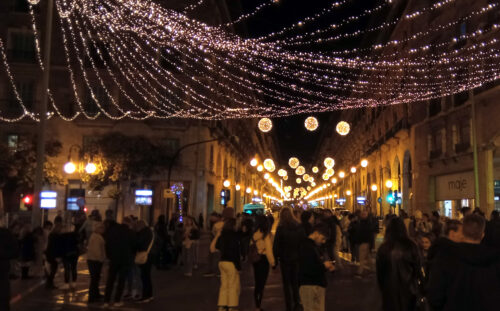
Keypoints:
(292, 139)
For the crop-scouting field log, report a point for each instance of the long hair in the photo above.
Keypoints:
(262, 224)
(286, 218)
(229, 225)
(395, 231)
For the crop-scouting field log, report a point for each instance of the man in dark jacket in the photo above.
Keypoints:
(121, 246)
(312, 270)
(364, 234)
(492, 231)
(145, 239)
(465, 276)
(55, 251)
(8, 251)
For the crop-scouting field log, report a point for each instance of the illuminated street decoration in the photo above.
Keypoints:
(141, 35)
(282, 173)
(293, 162)
(343, 128)
(329, 162)
(298, 180)
(300, 170)
(329, 172)
(311, 124)
(269, 165)
(315, 169)
(305, 177)
(265, 125)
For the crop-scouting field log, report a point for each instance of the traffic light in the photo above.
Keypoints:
(27, 201)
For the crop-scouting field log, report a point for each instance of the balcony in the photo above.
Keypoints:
(462, 147)
(435, 154)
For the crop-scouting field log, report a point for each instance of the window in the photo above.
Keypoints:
(436, 143)
(102, 98)
(26, 90)
(434, 107)
(462, 135)
(21, 47)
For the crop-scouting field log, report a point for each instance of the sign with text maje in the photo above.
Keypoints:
(455, 186)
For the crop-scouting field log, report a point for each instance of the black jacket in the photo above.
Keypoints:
(229, 245)
(55, 245)
(492, 234)
(364, 231)
(287, 243)
(399, 275)
(464, 277)
(311, 268)
(121, 244)
(144, 238)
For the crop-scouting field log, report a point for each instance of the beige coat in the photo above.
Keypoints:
(264, 246)
(95, 248)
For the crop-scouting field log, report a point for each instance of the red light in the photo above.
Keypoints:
(27, 199)
(85, 209)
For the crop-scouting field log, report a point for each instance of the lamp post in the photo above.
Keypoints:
(36, 216)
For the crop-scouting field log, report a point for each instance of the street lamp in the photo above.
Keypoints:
(388, 184)
(249, 190)
(69, 167)
(254, 162)
(227, 183)
(91, 168)
(341, 174)
(374, 188)
(364, 163)
(260, 168)
(348, 192)
(353, 169)
(238, 187)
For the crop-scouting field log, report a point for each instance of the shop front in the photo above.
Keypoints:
(454, 192)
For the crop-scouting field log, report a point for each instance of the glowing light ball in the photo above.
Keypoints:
(91, 168)
(305, 177)
(308, 188)
(69, 168)
(353, 170)
(266, 176)
(254, 162)
(227, 183)
(325, 176)
(249, 190)
(329, 162)
(374, 187)
(315, 169)
(260, 168)
(313, 184)
(348, 192)
(238, 187)
(293, 162)
(330, 172)
(255, 192)
(343, 128)
(334, 180)
(300, 171)
(285, 177)
(341, 174)
(311, 124)
(265, 125)
(282, 173)
(364, 163)
(310, 179)
(33, 2)
(388, 184)
(298, 180)
(269, 165)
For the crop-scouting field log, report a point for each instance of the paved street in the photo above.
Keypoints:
(173, 291)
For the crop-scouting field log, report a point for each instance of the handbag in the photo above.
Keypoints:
(142, 257)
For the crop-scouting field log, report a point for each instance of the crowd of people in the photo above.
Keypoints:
(426, 262)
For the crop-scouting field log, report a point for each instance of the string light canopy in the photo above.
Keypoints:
(125, 54)
(315, 169)
(282, 173)
(343, 128)
(311, 124)
(300, 170)
(265, 125)
(269, 165)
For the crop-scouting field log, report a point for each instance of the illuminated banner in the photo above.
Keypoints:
(455, 186)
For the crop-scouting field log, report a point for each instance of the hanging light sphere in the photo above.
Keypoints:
(269, 165)
(282, 173)
(91, 168)
(293, 162)
(311, 179)
(353, 170)
(348, 192)
(329, 162)
(306, 177)
(238, 187)
(255, 192)
(308, 188)
(260, 168)
(298, 180)
(226, 183)
(315, 169)
(313, 184)
(69, 168)
(374, 187)
(285, 177)
(325, 176)
(334, 180)
(364, 163)
(266, 176)
(311, 124)
(254, 162)
(343, 128)
(341, 174)
(300, 171)
(33, 2)
(389, 184)
(249, 190)
(330, 172)
(265, 125)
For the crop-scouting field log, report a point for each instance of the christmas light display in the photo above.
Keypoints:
(269, 165)
(315, 169)
(311, 124)
(329, 162)
(136, 59)
(343, 128)
(293, 162)
(300, 170)
(265, 125)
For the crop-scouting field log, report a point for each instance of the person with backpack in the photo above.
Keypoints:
(261, 256)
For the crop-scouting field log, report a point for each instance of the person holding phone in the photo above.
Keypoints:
(312, 270)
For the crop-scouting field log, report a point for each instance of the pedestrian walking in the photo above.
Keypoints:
(313, 268)
(399, 269)
(96, 255)
(190, 233)
(27, 245)
(70, 256)
(353, 236)
(363, 233)
(145, 240)
(286, 247)
(262, 251)
(121, 246)
(8, 251)
(465, 276)
(55, 251)
(307, 221)
(162, 256)
(228, 243)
